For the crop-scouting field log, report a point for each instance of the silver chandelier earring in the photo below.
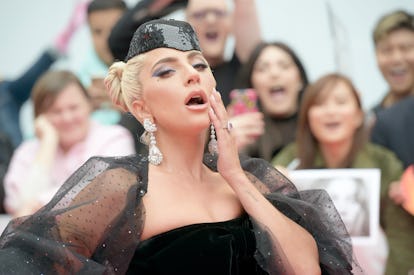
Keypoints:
(212, 144)
(154, 155)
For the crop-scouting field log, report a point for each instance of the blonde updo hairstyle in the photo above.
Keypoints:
(122, 82)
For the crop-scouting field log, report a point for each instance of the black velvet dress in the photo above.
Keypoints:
(94, 223)
(208, 248)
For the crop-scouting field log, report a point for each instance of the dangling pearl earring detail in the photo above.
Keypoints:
(154, 155)
(212, 144)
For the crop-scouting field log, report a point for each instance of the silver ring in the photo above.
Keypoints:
(228, 126)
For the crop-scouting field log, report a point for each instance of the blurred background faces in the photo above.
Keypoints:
(327, 35)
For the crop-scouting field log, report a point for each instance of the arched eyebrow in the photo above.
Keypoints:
(164, 60)
(195, 53)
(171, 59)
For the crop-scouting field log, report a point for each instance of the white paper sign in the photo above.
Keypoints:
(355, 193)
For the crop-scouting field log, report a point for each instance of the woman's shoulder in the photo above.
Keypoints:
(28, 144)
(98, 165)
(130, 162)
(109, 140)
(27, 148)
(379, 151)
(101, 173)
(109, 130)
(374, 155)
(286, 155)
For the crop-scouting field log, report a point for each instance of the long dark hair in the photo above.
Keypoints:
(244, 79)
(103, 5)
(307, 145)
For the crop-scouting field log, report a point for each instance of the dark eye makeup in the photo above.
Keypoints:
(200, 66)
(162, 72)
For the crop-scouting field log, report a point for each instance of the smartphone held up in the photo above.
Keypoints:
(242, 101)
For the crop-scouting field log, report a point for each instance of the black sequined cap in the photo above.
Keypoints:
(161, 33)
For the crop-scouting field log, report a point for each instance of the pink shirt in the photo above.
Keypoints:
(102, 140)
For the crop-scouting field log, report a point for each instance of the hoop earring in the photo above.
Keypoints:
(154, 154)
(212, 144)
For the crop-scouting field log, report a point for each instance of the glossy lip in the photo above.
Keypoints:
(199, 93)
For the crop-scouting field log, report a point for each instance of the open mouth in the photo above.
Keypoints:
(332, 125)
(212, 35)
(196, 98)
(277, 91)
(397, 71)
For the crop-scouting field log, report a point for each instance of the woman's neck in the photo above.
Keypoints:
(182, 155)
(335, 154)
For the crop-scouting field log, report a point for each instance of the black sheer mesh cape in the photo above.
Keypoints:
(94, 222)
